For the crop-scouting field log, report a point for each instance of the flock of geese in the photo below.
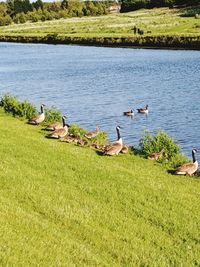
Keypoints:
(60, 130)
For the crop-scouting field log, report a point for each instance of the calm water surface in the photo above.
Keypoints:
(93, 86)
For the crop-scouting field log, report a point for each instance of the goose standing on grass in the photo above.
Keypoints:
(189, 168)
(56, 125)
(39, 118)
(92, 134)
(116, 147)
(129, 113)
(59, 133)
(143, 110)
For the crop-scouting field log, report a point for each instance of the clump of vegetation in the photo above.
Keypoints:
(52, 115)
(160, 140)
(20, 11)
(76, 130)
(101, 139)
(129, 5)
(27, 110)
(155, 143)
(192, 12)
(18, 109)
(177, 161)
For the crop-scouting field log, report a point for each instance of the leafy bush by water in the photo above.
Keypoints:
(77, 131)
(27, 110)
(18, 109)
(101, 138)
(52, 115)
(177, 161)
(155, 143)
(161, 140)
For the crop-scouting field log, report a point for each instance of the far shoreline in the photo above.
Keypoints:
(144, 42)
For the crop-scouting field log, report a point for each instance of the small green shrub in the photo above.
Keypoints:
(18, 109)
(177, 161)
(52, 115)
(155, 143)
(52, 36)
(26, 110)
(76, 130)
(101, 139)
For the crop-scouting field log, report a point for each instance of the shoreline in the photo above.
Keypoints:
(145, 42)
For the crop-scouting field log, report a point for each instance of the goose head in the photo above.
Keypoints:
(64, 117)
(118, 127)
(64, 122)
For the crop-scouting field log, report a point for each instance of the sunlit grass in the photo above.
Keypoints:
(160, 21)
(65, 205)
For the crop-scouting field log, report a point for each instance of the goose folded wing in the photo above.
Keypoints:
(186, 167)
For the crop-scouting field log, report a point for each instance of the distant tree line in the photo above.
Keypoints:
(20, 11)
(130, 5)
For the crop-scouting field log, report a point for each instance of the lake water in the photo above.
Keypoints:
(94, 85)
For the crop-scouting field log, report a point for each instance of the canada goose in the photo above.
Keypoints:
(95, 145)
(116, 147)
(128, 113)
(98, 146)
(92, 134)
(80, 141)
(189, 168)
(55, 126)
(143, 110)
(39, 118)
(156, 155)
(60, 132)
(67, 139)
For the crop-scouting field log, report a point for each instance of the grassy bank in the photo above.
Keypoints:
(163, 27)
(65, 205)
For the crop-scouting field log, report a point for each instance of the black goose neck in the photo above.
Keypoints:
(42, 109)
(193, 156)
(118, 133)
(63, 121)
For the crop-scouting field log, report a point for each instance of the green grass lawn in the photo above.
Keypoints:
(157, 21)
(65, 205)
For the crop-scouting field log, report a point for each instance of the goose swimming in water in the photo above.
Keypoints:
(39, 118)
(116, 147)
(128, 113)
(189, 168)
(143, 110)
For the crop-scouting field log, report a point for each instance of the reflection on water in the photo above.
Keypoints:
(94, 86)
